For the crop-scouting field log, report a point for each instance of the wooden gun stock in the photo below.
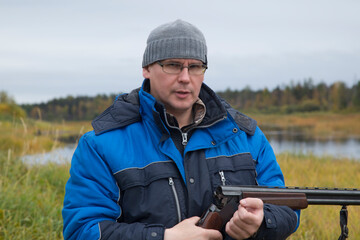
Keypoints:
(211, 221)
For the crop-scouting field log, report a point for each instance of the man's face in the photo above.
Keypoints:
(178, 92)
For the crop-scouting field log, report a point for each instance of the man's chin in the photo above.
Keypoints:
(180, 107)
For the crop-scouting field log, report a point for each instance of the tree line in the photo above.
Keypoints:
(296, 97)
(70, 108)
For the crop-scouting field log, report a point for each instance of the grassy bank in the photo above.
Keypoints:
(31, 199)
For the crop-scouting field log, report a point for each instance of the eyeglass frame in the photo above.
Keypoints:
(204, 66)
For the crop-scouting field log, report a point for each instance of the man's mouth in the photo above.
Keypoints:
(182, 93)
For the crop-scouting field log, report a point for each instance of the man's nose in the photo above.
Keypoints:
(184, 75)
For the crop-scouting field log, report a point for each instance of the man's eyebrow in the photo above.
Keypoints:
(172, 61)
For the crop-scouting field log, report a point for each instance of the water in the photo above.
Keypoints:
(59, 155)
(280, 141)
(299, 143)
(346, 149)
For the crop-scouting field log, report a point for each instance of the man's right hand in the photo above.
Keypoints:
(187, 229)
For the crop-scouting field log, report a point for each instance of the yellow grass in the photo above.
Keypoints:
(322, 222)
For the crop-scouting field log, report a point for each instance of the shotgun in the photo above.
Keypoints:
(227, 199)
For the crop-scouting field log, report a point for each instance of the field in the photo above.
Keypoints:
(31, 197)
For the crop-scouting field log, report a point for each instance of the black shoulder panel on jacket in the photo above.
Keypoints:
(244, 122)
(124, 111)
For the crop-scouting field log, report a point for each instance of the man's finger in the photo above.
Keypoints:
(254, 203)
(236, 231)
(243, 217)
(193, 220)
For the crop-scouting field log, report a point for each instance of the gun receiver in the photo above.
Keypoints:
(228, 197)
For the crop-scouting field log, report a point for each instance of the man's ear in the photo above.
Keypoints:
(146, 72)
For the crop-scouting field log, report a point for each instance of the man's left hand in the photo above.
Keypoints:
(247, 219)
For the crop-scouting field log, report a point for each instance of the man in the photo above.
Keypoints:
(150, 167)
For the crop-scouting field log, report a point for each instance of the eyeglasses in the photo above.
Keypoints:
(176, 68)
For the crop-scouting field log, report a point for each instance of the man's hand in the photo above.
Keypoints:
(187, 229)
(247, 219)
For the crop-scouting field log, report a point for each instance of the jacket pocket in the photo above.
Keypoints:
(152, 194)
(237, 169)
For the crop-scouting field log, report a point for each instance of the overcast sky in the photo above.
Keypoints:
(51, 49)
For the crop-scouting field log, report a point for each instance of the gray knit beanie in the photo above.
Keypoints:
(178, 39)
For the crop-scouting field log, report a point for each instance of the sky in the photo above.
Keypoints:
(51, 49)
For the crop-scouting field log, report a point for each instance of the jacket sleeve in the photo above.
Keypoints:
(279, 221)
(90, 204)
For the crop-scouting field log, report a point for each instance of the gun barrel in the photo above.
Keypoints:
(314, 196)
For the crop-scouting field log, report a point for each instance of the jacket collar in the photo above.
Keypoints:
(215, 109)
(124, 111)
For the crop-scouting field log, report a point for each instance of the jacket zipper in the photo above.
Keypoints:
(184, 138)
(172, 184)
(184, 135)
(222, 177)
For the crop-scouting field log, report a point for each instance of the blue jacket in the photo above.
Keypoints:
(130, 181)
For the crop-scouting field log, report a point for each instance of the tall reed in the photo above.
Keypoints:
(31, 196)
(31, 199)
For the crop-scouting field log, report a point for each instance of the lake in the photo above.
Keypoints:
(297, 141)
(281, 141)
(349, 148)
(59, 155)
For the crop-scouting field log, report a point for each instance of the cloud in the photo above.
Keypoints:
(57, 48)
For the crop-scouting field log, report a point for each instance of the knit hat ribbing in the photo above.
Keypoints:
(178, 39)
